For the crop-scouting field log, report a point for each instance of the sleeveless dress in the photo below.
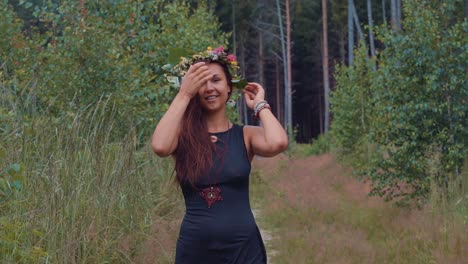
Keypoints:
(226, 232)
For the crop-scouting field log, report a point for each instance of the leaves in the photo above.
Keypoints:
(175, 54)
(411, 110)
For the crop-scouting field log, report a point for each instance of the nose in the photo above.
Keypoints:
(209, 86)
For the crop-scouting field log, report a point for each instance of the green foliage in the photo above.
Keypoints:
(323, 144)
(80, 91)
(111, 51)
(411, 113)
(351, 104)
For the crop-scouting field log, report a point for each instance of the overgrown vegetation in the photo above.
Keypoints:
(70, 194)
(404, 125)
(80, 91)
(318, 213)
(77, 53)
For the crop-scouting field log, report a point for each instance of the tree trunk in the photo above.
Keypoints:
(466, 8)
(371, 26)
(278, 92)
(342, 44)
(384, 13)
(326, 84)
(240, 101)
(398, 3)
(234, 28)
(289, 60)
(285, 70)
(350, 33)
(394, 10)
(356, 21)
(261, 59)
(244, 105)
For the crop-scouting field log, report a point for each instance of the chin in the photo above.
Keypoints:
(213, 107)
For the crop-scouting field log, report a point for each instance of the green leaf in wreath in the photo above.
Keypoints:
(167, 67)
(239, 83)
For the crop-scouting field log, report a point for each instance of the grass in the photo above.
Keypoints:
(71, 192)
(354, 229)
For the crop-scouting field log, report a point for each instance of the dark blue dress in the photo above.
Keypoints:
(226, 232)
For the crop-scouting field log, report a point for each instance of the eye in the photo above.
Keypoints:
(216, 79)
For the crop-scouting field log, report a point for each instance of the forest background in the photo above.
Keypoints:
(381, 85)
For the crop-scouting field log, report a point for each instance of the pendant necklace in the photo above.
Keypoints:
(212, 194)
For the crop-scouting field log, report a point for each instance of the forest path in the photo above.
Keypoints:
(313, 210)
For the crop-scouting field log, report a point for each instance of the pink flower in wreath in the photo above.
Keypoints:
(231, 57)
(219, 49)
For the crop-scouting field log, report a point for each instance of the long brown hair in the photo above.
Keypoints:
(194, 154)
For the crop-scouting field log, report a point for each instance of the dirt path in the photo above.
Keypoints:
(314, 211)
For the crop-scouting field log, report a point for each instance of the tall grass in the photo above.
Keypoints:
(73, 191)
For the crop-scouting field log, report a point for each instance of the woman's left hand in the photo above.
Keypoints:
(253, 93)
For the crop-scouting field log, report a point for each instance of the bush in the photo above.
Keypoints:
(80, 53)
(414, 113)
(80, 91)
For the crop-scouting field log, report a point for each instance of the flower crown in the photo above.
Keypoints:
(211, 55)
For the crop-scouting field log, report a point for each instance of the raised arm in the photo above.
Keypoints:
(270, 139)
(166, 134)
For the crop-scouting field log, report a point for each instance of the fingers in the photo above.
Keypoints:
(197, 75)
(247, 97)
(201, 75)
(249, 93)
(253, 93)
(256, 90)
(194, 67)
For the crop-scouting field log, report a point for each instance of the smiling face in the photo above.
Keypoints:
(214, 95)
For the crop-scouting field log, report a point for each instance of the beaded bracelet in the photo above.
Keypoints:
(258, 104)
(260, 108)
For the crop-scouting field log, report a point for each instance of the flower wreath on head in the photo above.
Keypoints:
(210, 55)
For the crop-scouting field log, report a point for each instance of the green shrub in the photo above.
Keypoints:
(409, 114)
(322, 145)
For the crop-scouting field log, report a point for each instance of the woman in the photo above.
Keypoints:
(213, 158)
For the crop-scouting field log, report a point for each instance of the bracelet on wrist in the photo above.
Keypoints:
(259, 104)
(260, 108)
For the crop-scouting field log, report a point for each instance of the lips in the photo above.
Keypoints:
(211, 97)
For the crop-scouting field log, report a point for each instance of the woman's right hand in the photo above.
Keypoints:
(197, 75)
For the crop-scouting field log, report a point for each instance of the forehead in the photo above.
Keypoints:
(215, 68)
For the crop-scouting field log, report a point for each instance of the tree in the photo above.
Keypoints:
(406, 121)
(288, 104)
(95, 50)
(371, 26)
(350, 32)
(395, 9)
(326, 83)
(384, 12)
(287, 101)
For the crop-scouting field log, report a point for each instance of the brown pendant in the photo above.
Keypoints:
(211, 195)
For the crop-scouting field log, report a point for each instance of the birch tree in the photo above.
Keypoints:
(287, 99)
(384, 12)
(395, 9)
(371, 25)
(350, 32)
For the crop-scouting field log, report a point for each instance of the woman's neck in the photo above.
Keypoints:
(217, 122)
